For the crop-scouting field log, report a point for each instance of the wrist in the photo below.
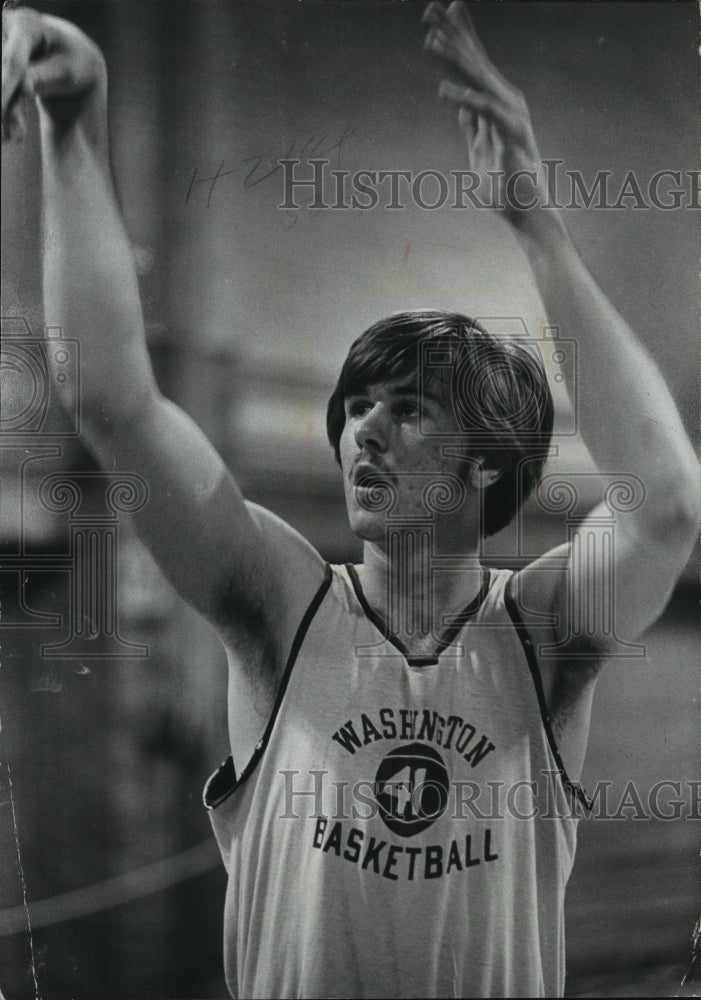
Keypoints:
(542, 230)
(63, 121)
(71, 95)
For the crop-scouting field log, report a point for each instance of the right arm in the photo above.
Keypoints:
(247, 574)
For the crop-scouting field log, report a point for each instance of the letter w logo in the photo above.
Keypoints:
(347, 737)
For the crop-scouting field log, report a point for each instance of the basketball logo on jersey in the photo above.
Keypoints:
(411, 788)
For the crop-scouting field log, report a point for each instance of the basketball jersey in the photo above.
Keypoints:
(405, 827)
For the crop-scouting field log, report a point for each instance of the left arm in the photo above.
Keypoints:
(626, 413)
(630, 424)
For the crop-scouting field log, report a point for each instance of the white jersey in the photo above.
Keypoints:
(405, 827)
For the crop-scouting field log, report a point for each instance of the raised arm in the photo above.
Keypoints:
(626, 413)
(244, 570)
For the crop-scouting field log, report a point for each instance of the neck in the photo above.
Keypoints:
(411, 593)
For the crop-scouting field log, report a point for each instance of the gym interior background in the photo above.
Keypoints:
(111, 884)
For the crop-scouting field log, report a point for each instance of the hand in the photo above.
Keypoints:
(493, 114)
(51, 60)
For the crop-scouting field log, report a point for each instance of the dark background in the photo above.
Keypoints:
(250, 311)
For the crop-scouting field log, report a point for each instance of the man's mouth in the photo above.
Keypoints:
(364, 475)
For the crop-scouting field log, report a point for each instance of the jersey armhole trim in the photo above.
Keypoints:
(224, 781)
(573, 787)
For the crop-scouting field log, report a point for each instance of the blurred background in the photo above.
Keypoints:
(111, 884)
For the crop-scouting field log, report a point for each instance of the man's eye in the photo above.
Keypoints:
(357, 407)
(407, 409)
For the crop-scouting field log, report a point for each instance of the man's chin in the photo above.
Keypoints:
(369, 527)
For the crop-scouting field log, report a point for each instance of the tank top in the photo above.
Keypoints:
(405, 828)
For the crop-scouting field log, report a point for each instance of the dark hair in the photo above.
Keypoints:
(497, 389)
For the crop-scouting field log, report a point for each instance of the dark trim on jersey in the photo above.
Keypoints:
(448, 634)
(451, 632)
(573, 787)
(224, 781)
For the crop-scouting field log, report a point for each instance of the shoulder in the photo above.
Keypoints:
(284, 541)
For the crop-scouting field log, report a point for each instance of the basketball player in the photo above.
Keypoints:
(372, 707)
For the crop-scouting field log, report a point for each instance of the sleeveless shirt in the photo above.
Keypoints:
(405, 828)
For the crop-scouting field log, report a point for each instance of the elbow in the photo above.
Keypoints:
(675, 519)
(689, 519)
(689, 502)
(686, 521)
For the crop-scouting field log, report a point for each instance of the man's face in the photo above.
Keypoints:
(391, 445)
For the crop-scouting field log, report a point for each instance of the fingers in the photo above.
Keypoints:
(484, 144)
(452, 37)
(473, 126)
(22, 36)
(434, 14)
(496, 143)
(492, 113)
(455, 20)
(478, 144)
(461, 52)
(459, 13)
(15, 121)
(50, 59)
(51, 77)
(477, 102)
(13, 67)
(465, 96)
(511, 120)
(468, 123)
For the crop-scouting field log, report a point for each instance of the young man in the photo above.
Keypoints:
(372, 707)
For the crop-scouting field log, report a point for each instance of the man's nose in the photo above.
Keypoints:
(371, 429)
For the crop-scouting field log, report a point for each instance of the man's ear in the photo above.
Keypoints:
(481, 474)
